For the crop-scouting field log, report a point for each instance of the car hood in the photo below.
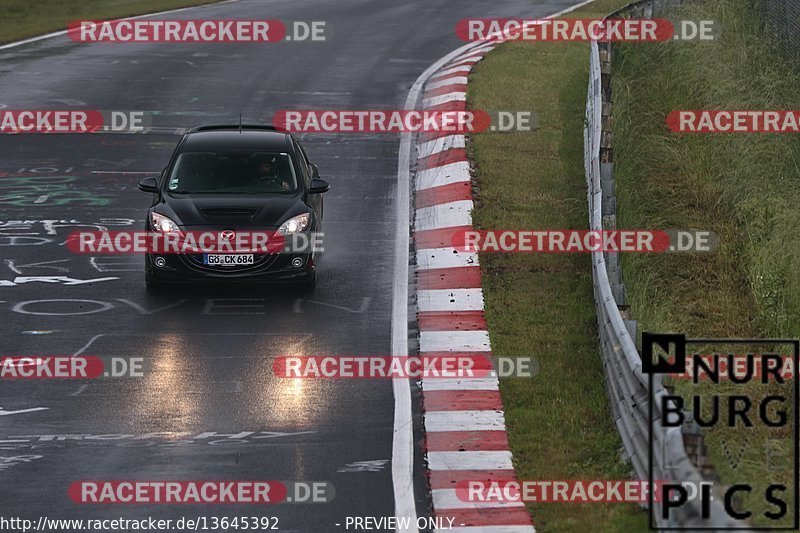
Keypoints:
(239, 209)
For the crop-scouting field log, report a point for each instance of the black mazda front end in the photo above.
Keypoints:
(228, 181)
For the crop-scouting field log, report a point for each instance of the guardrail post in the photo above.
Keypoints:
(604, 49)
(632, 327)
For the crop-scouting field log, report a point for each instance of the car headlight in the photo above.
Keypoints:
(163, 224)
(295, 224)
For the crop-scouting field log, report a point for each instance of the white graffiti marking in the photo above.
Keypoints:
(365, 466)
(44, 227)
(21, 280)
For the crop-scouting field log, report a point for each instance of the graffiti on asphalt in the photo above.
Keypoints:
(35, 232)
(39, 191)
(161, 440)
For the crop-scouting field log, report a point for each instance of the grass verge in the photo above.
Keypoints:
(744, 187)
(27, 18)
(542, 305)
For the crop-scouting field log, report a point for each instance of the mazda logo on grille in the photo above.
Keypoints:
(227, 235)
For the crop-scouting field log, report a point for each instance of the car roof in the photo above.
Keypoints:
(232, 137)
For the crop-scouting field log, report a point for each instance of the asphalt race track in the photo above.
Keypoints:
(208, 406)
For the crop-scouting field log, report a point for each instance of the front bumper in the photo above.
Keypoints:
(265, 268)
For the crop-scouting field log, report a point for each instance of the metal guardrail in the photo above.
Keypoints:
(628, 387)
(782, 20)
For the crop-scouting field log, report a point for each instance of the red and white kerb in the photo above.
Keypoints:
(464, 422)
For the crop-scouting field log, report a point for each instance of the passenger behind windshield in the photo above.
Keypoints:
(232, 172)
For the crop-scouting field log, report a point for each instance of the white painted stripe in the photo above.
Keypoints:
(448, 499)
(459, 80)
(488, 47)
(476, 52)
(458, 213)
(481, 460)
(437, 421)
(434, 384)
(145, 15)
(458, 96)
(472, 55)
(443, 175)
(465, 69)
(440, 144)
(454, 341)
(450, 300)
(570, 9)
(403, 428)
(34, 39)
(489, 529)
(431, 258)
(467, 60)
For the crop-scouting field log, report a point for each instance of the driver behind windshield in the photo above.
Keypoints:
(267, 175)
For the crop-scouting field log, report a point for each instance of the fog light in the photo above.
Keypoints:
(297, 262)
(160, 262)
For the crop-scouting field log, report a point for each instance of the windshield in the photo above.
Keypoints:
(233, 171)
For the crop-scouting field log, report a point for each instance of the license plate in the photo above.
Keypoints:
(228, 259)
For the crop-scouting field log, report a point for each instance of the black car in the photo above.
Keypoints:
(229, 179)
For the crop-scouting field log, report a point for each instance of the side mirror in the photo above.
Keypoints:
(314, 171)
(318, 186)
(148, 185)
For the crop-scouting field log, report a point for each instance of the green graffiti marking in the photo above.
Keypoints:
(36, 191)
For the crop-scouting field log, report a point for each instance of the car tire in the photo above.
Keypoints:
(308, 285)
(152, 285)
